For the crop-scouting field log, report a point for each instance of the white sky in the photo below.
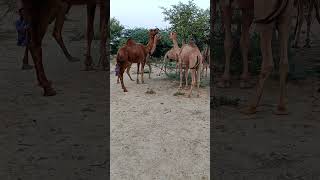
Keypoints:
(145, 13)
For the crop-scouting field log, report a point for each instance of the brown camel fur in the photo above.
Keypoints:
(41, 13)
(310, 6)
(190, 58)
(133, 52)
(246, 7)
(172, 54)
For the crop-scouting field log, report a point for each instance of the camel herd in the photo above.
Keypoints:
(188, 57)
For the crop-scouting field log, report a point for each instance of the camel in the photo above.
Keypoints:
(190, 58)
(206, 59)
(133, 52)
(41, 13)
(310, 5)
(172, 54)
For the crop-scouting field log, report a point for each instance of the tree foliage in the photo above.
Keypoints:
(189, 21)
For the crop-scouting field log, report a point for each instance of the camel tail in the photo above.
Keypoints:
(196, 64)
(278, 10)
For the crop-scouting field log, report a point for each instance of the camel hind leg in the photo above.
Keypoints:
(60, 18)
(299, 24)
(311, 5)
(103, 34)
(128, 72)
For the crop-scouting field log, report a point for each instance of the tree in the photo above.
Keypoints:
(189, 21)
(115, 34)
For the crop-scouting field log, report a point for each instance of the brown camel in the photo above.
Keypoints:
(190, 58)
(246, 7)
(172, 54)
(133, 52)
(41, 13)
(310, 6)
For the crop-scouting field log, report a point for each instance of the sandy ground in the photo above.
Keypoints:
(264, 145)
(158, 136)
(61, 137)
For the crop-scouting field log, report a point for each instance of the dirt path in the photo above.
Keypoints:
(61, 137)
(158, 136)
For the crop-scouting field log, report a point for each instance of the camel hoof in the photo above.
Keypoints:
(73, 59)
(189, 95)
(281, 111)
(249, 110)
(125, 90)
(49, 92)
(131, 79)
(26, 67)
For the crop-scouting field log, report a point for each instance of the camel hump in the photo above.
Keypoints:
(130, 42)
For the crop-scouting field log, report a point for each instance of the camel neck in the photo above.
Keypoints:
(175, 43)
(149, 45)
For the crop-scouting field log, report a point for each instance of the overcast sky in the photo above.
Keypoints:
(145, 13)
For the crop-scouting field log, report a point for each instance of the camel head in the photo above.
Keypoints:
(153, 32)
(173, 35)
(156, 39)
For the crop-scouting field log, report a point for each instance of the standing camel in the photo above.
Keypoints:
(246, 7)
(172, 54)
(133, 52)
(310, 5)
(41, 13)
(190, 58)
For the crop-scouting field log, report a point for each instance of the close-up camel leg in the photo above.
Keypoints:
(198, 75)
(186, 74)
(121, 79)
(247, 18)
(227, 15)
(283, 65)
(60, 18)
(266, 66)
(90, 19)
(39, 25)
(181, 75)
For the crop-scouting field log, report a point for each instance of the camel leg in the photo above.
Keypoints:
(60, 18)
(227, 15)
(142, 72)
(186, 74)
(181, 75)
(316, 6)
(128, 72)
(25, 60)
(193, 81)
(283, 64)
(121, 79)
(311, 5)
(266, 67)
(198, 80)
(103, 34)
(90, 20)
(299, 25)
(39, 25)
(138, 68)
(247, 18)
(150, 69)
